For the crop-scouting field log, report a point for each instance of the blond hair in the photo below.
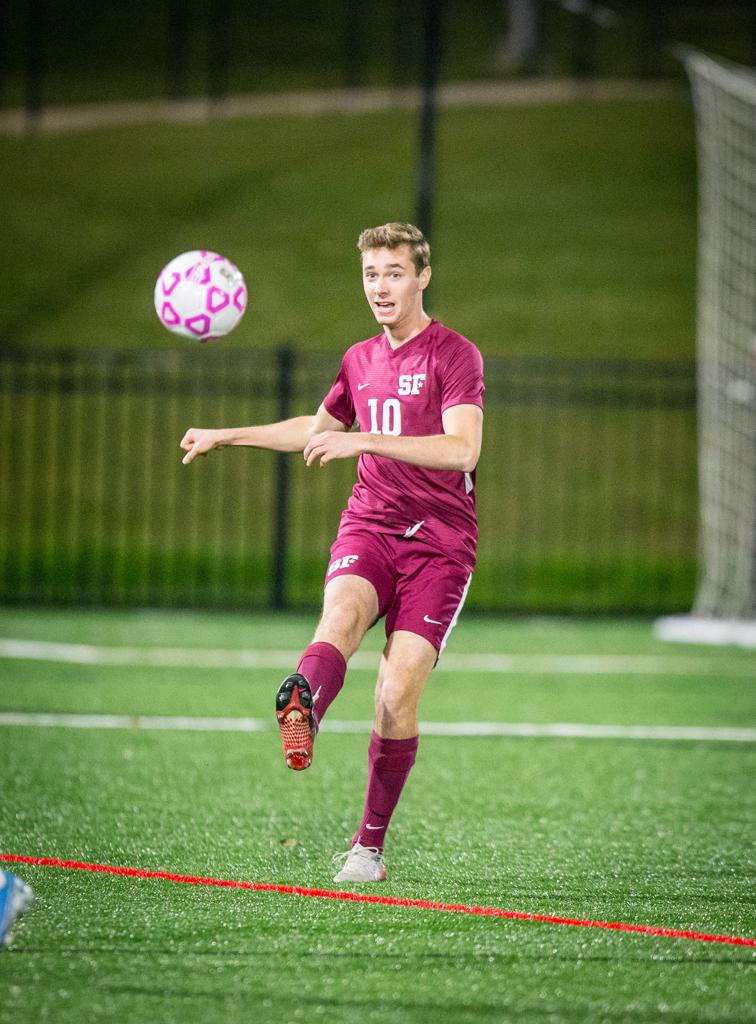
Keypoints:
(394, 234)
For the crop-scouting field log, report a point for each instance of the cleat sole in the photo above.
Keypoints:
(294, 714)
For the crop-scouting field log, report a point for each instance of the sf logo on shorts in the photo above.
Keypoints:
(341, 563)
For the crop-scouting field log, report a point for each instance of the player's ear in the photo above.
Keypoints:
(424, 278)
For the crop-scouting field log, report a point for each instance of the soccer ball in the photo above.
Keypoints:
(200, 295)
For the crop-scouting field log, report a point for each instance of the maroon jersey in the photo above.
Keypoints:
(405, 391)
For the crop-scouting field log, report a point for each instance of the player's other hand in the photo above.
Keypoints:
(333, 444)
(199, 442)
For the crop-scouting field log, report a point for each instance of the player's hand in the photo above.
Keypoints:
(334, 444)
(199, 442)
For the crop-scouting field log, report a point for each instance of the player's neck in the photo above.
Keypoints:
(400, 334)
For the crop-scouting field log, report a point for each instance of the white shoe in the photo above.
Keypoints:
(15, 898)
(361, 864)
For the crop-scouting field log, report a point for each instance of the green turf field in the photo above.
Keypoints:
(646, 831)
(559, 230)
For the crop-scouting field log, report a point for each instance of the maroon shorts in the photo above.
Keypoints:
(419, 589)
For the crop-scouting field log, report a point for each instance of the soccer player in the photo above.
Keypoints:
(405, 547)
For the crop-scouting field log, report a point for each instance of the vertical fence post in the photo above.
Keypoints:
(432, 24)
(401, 62)
(651, 29)
(354, 44)
(34, 65)
(582, 54)
(218, 50)
(285, 359)
(177, 50)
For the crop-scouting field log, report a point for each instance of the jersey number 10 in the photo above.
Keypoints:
(391, 416)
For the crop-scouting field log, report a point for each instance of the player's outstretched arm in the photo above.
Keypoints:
(457, 448)
(285, 436)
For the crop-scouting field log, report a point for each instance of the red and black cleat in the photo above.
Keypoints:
(294, 714)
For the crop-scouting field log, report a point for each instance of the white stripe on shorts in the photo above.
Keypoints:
(453, 622)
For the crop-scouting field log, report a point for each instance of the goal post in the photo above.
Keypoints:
(724, 609)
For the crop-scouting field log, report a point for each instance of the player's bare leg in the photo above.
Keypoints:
(350, 607)
(406, 663)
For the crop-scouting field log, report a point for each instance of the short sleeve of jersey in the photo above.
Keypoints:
(338, 401)
(462, 378)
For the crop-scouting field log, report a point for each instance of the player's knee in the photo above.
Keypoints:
(397, 696)
(342, 624)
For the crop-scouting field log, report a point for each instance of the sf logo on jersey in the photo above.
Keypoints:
(410, 383)
(386, 417)
(342, 563)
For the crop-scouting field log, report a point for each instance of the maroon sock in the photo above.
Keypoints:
(324, 667)
(389, 764)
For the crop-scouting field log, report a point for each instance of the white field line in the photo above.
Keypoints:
(55, 120)
(569, 730)
(506, 664)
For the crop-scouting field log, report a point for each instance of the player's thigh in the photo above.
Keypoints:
(367, 554)
(350, 607)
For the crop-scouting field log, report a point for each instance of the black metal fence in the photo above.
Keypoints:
(52, 52)
(586, 486)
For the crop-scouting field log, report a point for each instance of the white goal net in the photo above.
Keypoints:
(725, 605)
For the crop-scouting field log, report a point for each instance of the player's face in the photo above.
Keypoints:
(393, 288)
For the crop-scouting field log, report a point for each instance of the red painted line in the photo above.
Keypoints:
(389, 901)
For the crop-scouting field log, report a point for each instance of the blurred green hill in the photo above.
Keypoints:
(563, 229)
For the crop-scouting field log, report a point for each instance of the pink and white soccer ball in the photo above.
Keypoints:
(200, 295)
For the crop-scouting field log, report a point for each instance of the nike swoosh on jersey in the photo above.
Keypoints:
(361, 386)
(412, 530)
